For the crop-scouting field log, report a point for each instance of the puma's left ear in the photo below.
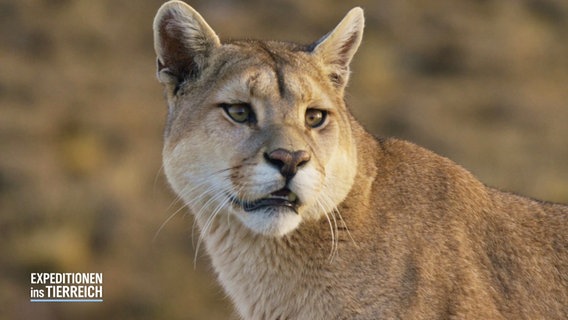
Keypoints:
(337, 48)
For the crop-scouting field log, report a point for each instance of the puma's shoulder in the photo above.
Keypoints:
(420, 171)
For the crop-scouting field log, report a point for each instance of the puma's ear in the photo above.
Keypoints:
(337, 48)
(182, 41)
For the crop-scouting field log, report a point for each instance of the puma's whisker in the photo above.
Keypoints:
(332, 231)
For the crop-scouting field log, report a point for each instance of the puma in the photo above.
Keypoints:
(305, 215)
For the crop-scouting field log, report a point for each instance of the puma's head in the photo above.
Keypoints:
(258, 130)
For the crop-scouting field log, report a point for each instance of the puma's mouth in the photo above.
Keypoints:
(281, 198)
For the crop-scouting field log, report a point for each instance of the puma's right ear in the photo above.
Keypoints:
(182, 41)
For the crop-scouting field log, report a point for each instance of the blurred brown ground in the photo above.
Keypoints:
(483, 82)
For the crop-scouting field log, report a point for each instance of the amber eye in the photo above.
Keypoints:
(315, 117)
(239, 112)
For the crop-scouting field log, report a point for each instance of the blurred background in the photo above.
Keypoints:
(483, 82)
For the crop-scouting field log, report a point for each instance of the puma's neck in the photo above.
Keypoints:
(260, 272)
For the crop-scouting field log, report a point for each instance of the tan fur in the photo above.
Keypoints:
(384, 229)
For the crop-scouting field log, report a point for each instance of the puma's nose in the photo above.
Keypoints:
(287, 161)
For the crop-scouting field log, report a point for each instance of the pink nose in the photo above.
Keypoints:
(287, 161)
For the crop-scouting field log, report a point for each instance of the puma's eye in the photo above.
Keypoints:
(239, 112)
(315, 117)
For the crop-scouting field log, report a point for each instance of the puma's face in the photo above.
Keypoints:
(268, 144)
(257, 130)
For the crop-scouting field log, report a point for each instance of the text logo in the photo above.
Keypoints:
(66, 287)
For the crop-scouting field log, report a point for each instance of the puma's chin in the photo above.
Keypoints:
(273, 221)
